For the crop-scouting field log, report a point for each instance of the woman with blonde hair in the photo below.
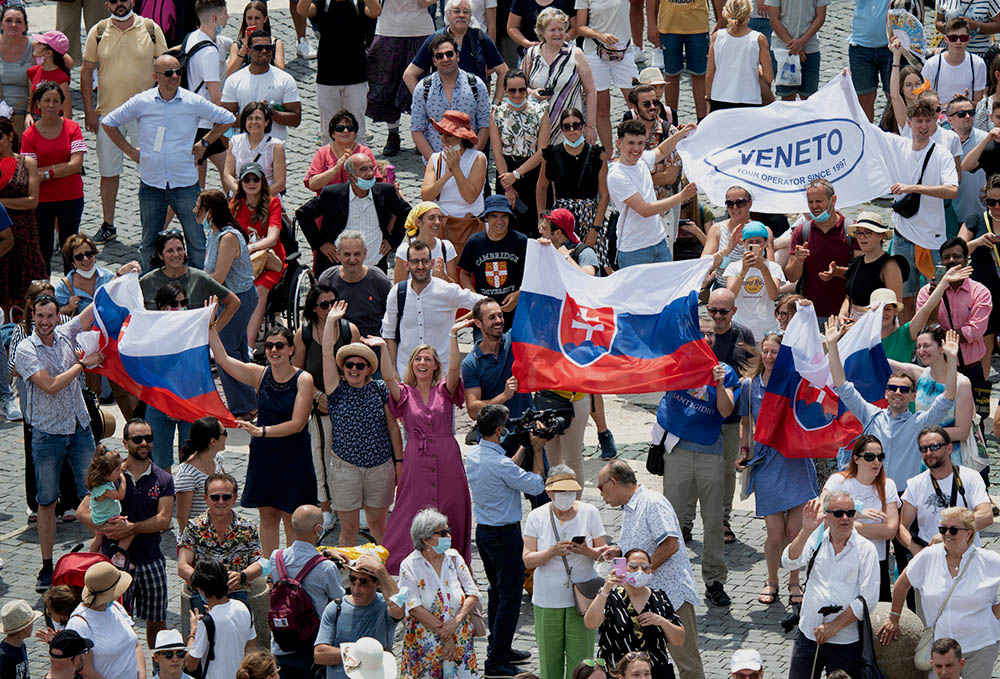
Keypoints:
(424, 223)
(432, 471)
(742, 55)
(258, 665)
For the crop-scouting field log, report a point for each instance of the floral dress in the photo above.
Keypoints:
(519, 138)
(442, 596)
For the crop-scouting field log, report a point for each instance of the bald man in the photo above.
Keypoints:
(321, 583)
(168, 176)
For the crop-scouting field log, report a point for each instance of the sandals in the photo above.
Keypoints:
(728, 536)
(795, 599)
(769, 595)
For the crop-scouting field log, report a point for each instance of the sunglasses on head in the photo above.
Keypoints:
(169, 655)
(220, 497)
(951, 530)
(141, 438)
(931, 447)
(572, 127)
(590, 662)
(171, 233)
(958, 38)
(267, 47)
(967, 113)
(344, 128)
(901, 388)
(516, 90)
(179, 303)
(80, 256)
(739, 202)
(171, 72)
(444, 55)
(355, 365)
(841, 513)
(275, 345)
(871, 457)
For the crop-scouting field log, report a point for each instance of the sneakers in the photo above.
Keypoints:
(717, 596)
(43, 581)
(607, 441)
(329, 520)
(306, 50)
(12, 411)
(391, 147)
(105, 234)
(640, 59)
(501, 671)
(516, 657)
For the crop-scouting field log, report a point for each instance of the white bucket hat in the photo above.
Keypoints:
(365, 659)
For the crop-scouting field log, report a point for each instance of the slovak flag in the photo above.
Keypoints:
(160, 357)
(635, 331)
(800, 415)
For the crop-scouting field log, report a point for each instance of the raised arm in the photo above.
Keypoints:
(950, 349)
(833, 335)
(898, 103)
(247, 373)
(389, 375)
(455, 356)
(331, 333)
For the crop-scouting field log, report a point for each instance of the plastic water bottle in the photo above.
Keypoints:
(658, 58)
(449, 670)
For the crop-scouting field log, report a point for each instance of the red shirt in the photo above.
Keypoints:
(36, 75)
(48, 152)
(823, 248)
(325, 159)
(252, 226)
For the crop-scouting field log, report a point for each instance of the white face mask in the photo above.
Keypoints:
(637, 578)
(457, 148)
(563, 500)
(87, 273)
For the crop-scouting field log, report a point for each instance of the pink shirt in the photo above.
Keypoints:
(970, 308)
(325, 159)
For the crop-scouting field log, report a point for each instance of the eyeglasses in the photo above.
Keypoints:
(782, 314)
(141, 438)
(516, 90)
(951, 530)
(590, 662)
(344, 128)
(992, 202)
(171, 72)
(80, 256)
(871, 457)
(450, 54)
(360, 581)
(355, 365)
(179, 303)
(326, 303)
(649, 103)
(262, 48)
(931, 447)
(967, 113)
(275, 345)
(220, 497)
(250, 179)
(419, 262)
(958, 38)
(901, 388)
(720, 312)
(572, 127)
(739, 202)
(841, 513)
(223, 434)
(443, 533)
(169, 655)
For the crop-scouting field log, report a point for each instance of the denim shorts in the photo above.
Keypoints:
(868, 64)
(648, 255)
(810, 78)
(684, 52)
(49, 451)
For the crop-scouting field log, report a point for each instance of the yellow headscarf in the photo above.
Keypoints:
(416, 213)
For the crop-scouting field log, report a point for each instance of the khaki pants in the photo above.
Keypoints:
(568, 447)
(700, 476)
(68, 22)
(730, 453)
(687, 658)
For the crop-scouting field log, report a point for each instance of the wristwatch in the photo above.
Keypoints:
(205, 142)
(517, 175)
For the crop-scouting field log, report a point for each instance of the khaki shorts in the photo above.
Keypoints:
(356, 487)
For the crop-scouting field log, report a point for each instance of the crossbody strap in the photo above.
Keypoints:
(954, 584)
(927, 160)
(947, 308)
(555, 532)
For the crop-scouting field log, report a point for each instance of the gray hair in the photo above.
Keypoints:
(452, 4)
(424, 524)
(835, 495)
(548, 15)
(621, 473)
(560, 469)
(351, 235)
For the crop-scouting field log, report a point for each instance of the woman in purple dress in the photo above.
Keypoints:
(433, 474)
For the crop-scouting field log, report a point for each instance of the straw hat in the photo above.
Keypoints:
(562, 482)
(16, 615)
(651, 75)
(883, 295)
(871, 221)
(104, 583)
(357, 349)
(104, 427)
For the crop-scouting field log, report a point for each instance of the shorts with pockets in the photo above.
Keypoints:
(868, 64)
(810, 78)
(148, 592)
(606, 73)
(684, 52)
(109, 156)
(355, 487)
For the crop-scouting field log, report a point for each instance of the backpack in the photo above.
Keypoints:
(292, 616)
(401, 304)
(102, 26)
(201, 671)
(183, 57)
(472, 83)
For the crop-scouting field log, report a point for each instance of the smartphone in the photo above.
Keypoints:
(939, 272)
(618, 566)
(579, 539)
(546, 92)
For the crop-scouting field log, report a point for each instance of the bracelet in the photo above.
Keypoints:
(397, 460)
(263, 432)
(895, 614)
(895, 65)
(452, 335)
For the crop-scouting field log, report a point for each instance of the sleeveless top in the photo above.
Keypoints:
(14, 79)
(240, 276)
(736, 61)
(314, 350)
(450, 201)
(863, 278)
(736, 255)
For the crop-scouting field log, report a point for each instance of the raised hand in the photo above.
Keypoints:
(337, 311)
(957, 274)
(812, 515)
(950, 346)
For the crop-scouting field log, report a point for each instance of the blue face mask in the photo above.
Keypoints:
(819, 219)
(443, 545)
(365, 184)
(507, 101)
(503, 436)
(574, 144)
(206, 223)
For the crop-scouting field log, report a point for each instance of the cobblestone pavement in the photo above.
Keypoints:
(746, 623)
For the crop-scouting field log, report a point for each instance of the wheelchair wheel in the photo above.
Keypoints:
(298, 290)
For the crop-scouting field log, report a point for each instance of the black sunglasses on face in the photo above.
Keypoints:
(721, 312)
(516, 90)
(968, 113)
(360, 581)
(444, 55)
(171, 72)
(932, 446)
(251, 179)
(344, 128)
(951, 530)
(649, 103)
(274, 345)
(572, 127)
(141, 438)
(325, 304)
(223, 497)
(355, 365)
(901, 388)
(871, 457)
(179, 303)
(262, 48)
(992, 202)
(739, 202)
(841, 513)
(80, 256)
(169, 655)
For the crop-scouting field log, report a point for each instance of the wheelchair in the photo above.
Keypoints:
(286, 302)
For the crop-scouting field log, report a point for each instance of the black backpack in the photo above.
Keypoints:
(183, 57)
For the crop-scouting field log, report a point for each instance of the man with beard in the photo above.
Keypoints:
(60, 423)
(487, 370)
(146, 509)
(67, 652)
(421, 309)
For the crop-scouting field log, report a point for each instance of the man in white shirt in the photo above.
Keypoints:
(840, 568)
(428, 312)
(641, 239)
(205, 74)
(168, 117)
(260, 81)
(935, 489)
(234, 631)
(955, 70)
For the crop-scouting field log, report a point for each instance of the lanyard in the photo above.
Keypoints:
(956, 488)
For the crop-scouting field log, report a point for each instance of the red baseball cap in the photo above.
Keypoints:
(564, 220)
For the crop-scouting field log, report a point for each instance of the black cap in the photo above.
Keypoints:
(69, 644)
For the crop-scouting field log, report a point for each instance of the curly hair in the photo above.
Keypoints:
(102, 465)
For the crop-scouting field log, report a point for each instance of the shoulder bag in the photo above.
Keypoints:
(922, 652)
(654, 458)
(476, 617)
(584, 592)
(908, 204)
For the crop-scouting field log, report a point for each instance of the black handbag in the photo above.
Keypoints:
(654, 459)
(869, 666)
(908, 204)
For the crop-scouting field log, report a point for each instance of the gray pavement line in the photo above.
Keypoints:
(14, 533)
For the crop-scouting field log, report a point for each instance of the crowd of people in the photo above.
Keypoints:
(351, 414)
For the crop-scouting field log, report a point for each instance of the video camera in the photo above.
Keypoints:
(545, 424)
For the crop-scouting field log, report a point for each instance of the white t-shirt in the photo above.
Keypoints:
(404, 19)
(479, 8)
(233, 629)
(869, 499)
(204, 66)
(966, 78)
(244, 87)
(552, 587)
(754, 308)
(606, 16)
(920, 493)
(624, 181)
(926, 227)
(441, 248)
(114, 639)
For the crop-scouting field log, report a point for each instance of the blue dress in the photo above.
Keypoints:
(778, 483)
(280, 471)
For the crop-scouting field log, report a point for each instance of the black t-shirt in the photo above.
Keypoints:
(365, 299)
(984, 266)
(529, 10)
(728, 350)
(573, 176)
(497, 266)
(342, 57)
(989, 160)
(13, 661)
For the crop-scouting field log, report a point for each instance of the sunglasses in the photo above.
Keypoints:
(649, 103)
(590, 662)
(275, 345)
(968, 113)
(220, 497)
(450, 54)
(931, 447)
(262, 48)
(141, 438)
(871, 457)
(355, 365)
(179, 304)
(80, 256)
(344, 128)
(992, 202)
(326, 304)
(636, 655)
(169, 655)
(171, 72)
(516, 90)
(739, 202)
(717, 310)
(250, 179)
(958, 38)
(360, 581)
(841, 513)
(443, 533)
(901, 388)
(951, 530)
(572, 127)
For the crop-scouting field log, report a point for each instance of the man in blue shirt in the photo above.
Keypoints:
(487, 370)
(496, 483)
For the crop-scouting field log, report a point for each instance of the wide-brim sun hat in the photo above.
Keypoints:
(103, 583)
(358, 349)
(873, 222)
(17, 615)
(456, 124)
(366, 659)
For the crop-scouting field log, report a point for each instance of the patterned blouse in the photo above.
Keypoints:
(360, 430)
(518, 127)
(237, 549)
(620, 632)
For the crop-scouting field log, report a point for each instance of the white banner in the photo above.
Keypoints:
(776, 150)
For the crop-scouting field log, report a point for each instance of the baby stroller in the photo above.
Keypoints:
(71, 568)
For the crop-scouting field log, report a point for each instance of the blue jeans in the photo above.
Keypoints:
(163, 435)
(240, 398)
(49, 451)
(500, 548)
(868, 64)
(153, 204)
(648, 255)
(810, 77)
(6, 395)
(684, 52)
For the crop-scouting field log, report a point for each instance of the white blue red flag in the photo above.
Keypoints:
(801, 415)
(160, 357)
(635, 331)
